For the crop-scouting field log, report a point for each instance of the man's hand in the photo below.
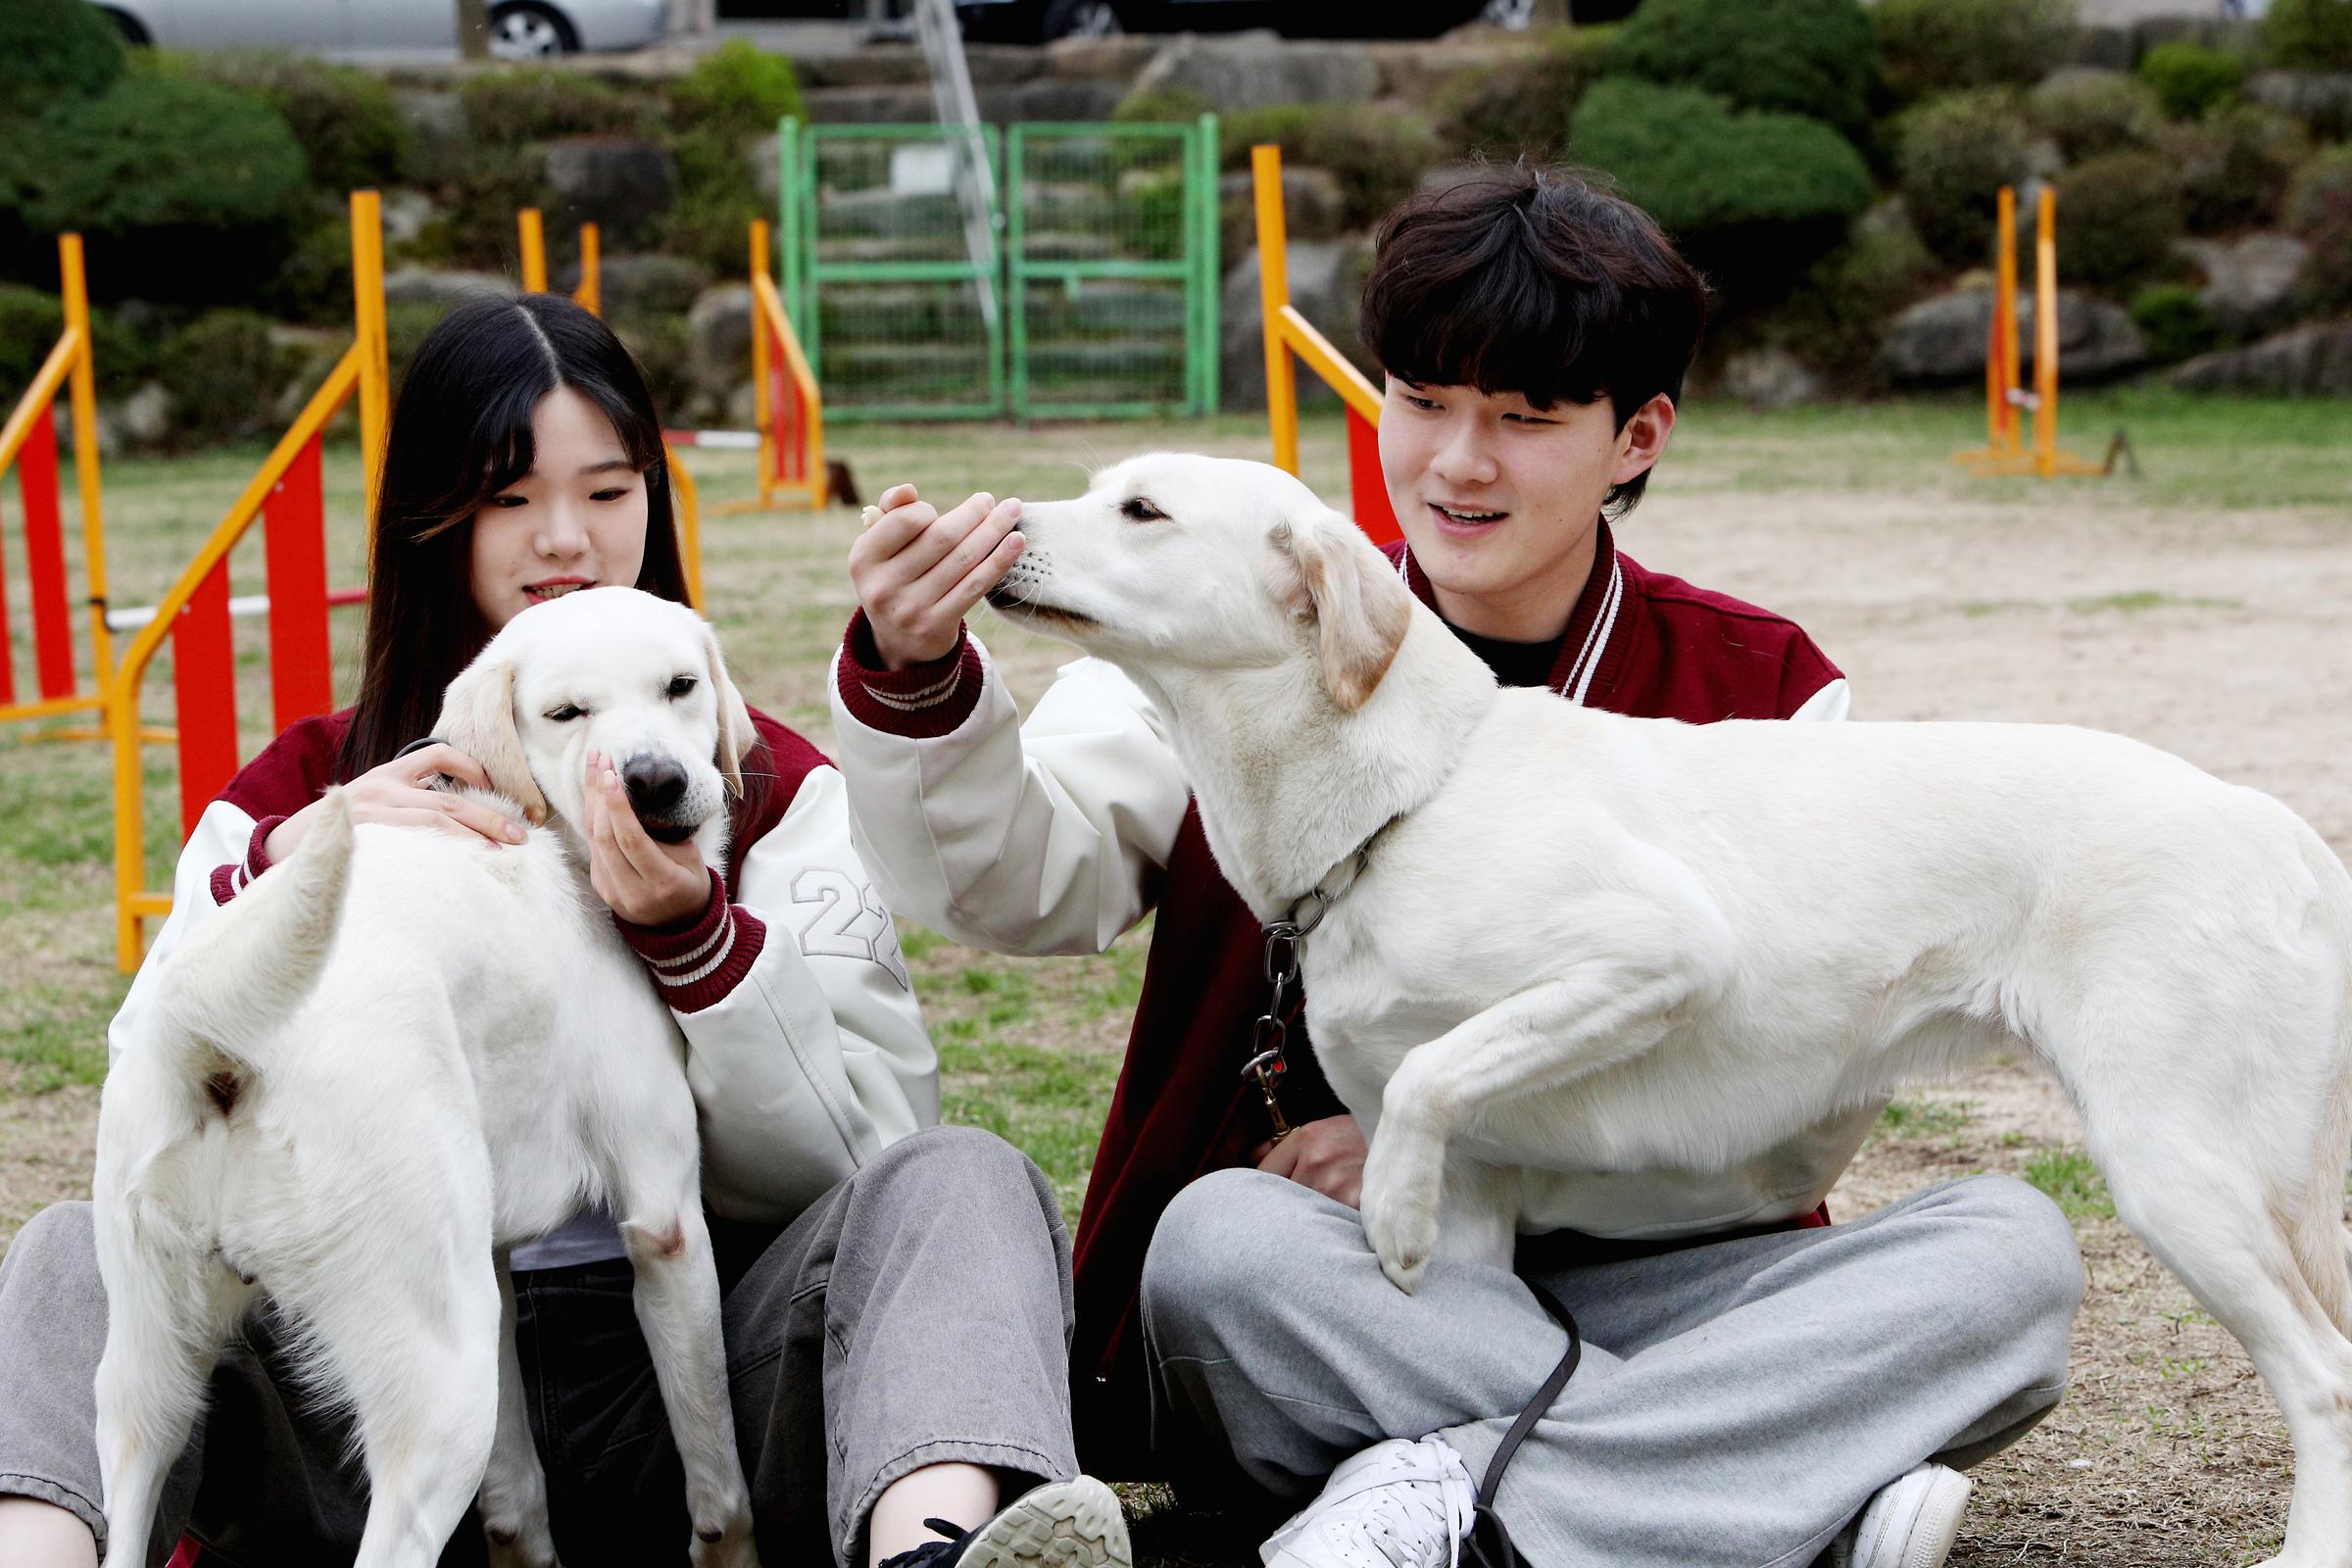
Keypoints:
(645, 881)
(1327, 1155)
(918, 571)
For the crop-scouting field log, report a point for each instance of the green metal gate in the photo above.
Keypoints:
(1093, 293)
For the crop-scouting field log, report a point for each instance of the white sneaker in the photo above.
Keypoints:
(1910, 1523)
(1398, 1504)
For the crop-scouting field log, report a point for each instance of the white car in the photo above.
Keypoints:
(388, 30)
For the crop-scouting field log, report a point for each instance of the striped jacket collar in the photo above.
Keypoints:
(1593, 637)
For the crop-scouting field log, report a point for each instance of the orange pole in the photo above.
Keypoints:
(590, 295)
(761, 413)
(84, 398)
(2005, 266)
(1274, 296)
(534, 250)
(2045, 334)
(369, 340)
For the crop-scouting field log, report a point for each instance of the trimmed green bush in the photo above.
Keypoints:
(2234, 165)
(1955, 154)
(30, 323)
(1753, 198)
(507, 107)
(1835, 317)
(2118, 215)
(52, 49)
(2318, 209)
(739, 92)
(184, 191)
(1801, 57)
(225, 376)
(2174, 318)
(346, 120)
(2309, 34)
(2087, 112)
(1376, 155)
(1931, 46)
(1522, 105)
(2190, 78)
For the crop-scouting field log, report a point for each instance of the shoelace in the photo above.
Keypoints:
(934, 1553)
(1403, 1505)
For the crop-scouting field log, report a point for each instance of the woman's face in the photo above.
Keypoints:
(575, 520)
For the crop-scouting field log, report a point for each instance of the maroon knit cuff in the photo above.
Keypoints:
(701, 966)
(920, 703)
(230, 880)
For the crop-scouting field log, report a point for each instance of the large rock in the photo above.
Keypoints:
(421, 285)
(405, 212)
(139, 422)
(438, 135)
(2251, 283)
(719, 339)
(1313, 207)
(1117, 60)
(2310, 361)
(1327, 280)
(1420, 70)
(2109, 48)
(900, 65)
(2322, 99)
(617, 182)
(1066, 99)
(1769, 379)
(650, 285)
(1940, 341)
(903, 104)
(1258, 70)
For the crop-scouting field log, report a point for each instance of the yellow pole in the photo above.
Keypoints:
(84, 398)
(591, 294)
(2045, 334)
(367, 325)
(687, 505)
(534, 250)
(2009, 437)
(770, 461)
(1273, 293)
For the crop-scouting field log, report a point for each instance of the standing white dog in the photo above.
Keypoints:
(396, 1055)
(1558, 939)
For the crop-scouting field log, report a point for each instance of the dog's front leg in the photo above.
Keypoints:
(514, 1497)
(1551, 1034)
(678, 1308)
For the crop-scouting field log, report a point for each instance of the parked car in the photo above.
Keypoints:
(388, 30)
(1038, 21)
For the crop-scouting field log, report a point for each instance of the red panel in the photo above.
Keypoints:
(784, 413)
(8, 653)
(204, 689)
(1367, 489)
(45, 559)
(302, 670)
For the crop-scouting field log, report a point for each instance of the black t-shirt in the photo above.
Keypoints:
(1513, 663)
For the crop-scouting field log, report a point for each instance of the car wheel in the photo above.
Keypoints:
(524, 31)
(1078, 19)
(1512, 15)
(128, 27)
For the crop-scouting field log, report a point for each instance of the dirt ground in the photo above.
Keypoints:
(2213, 632)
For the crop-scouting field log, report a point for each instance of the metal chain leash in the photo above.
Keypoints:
(1286, 942)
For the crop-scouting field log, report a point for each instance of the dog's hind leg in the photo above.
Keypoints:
(169, 1309)
(2198, 1213)
(514, 1497)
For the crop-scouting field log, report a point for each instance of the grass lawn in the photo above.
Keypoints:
(1852, 519)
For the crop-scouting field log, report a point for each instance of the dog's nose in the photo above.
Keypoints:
(656, 784)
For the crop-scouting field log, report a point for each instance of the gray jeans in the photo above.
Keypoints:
(1736, 1403)
(917, 1313)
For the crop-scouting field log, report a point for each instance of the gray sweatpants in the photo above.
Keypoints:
(919, 1312)
(1736, 1403)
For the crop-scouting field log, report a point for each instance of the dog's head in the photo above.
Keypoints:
(1171, 559)
(613, 671)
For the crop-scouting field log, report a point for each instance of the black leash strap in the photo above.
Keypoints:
(1489, 1545)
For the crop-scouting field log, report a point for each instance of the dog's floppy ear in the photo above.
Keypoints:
(736, 737)
(477, 718)
(1330, 575)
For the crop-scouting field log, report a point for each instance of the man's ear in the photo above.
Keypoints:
(477, 718)
(736, 737)
(1329, 574)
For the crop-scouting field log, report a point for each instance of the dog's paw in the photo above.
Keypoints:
(522, 1542)
(727, 1544)
(1403, 1177)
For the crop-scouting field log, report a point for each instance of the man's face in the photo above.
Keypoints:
(1500, 499)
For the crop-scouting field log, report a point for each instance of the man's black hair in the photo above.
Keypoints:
(1534, 281)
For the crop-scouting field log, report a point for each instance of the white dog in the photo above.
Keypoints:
(1559, 939)
(399, 1053)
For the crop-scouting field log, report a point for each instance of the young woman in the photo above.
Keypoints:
(1756, 1383)
(897, 1301)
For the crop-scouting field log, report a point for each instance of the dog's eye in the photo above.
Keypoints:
(1137, 509)
(680, 687)
(566, 713)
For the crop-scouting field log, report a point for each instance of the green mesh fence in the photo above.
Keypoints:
(1101, 255)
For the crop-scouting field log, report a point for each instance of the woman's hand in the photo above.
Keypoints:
(645, 881)
(1327, 1155)
(394, 794)
(918, 571)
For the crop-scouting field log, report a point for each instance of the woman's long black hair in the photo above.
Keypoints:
(461, 432)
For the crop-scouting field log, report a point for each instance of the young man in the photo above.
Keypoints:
(1757, 1387)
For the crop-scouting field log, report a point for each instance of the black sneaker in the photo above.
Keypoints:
(1063, 1524)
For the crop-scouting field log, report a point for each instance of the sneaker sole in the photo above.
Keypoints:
(1936, 1525)
(1066, 1524)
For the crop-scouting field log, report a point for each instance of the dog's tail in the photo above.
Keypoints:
(244, 971)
